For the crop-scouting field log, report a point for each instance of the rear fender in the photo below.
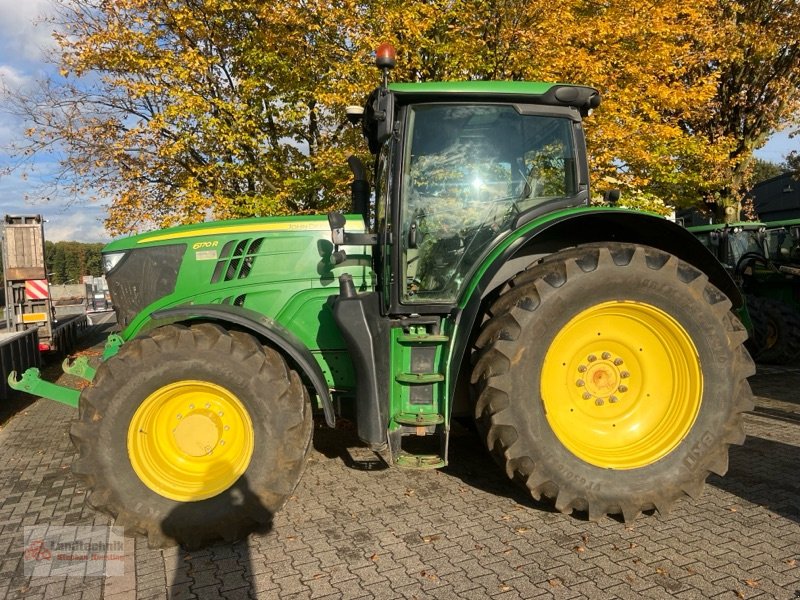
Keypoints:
(263, 328)
(551, 233)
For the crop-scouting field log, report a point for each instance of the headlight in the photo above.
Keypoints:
(111, 260)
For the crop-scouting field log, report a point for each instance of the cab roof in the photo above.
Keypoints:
(554, 94)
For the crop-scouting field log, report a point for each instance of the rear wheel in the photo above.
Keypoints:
(192, 434)
(776, 330)
(612, 378)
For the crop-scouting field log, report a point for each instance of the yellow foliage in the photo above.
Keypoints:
(227, 108)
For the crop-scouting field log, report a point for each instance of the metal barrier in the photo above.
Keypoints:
(18, 351)
(66, 333)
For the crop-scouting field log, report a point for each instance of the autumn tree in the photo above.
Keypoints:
(758, 88)
(792, 164)
(647, 59)
(181, 111)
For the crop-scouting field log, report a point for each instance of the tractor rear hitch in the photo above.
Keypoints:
(79, 367)
(32, 383)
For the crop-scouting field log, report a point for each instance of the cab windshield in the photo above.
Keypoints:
(469, 170)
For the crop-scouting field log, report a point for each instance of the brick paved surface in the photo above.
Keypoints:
(463, 532)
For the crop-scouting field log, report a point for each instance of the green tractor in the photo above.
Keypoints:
(764, 260)
(596, 348)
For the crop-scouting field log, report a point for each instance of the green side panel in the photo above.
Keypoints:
(308, 315)
(278, 267)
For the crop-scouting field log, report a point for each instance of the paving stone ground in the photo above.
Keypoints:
(462, 532)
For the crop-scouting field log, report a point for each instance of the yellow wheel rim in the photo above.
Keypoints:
(190, 440)
(621, 385)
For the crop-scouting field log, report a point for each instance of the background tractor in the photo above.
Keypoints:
(595, 347)
(764, 260)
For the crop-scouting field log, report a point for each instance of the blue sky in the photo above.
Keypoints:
(24, 41)
(778, 146)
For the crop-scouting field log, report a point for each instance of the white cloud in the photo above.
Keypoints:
(76, 224)
(24, 33)
(79, 221)
(11, 126)
(25, 41)
(13, 79)
(9, 132)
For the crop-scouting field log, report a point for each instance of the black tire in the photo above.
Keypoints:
(776, 331)
(273, 398)
(531, 313)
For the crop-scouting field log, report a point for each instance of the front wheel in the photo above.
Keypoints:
(191, 434)
(611, 378)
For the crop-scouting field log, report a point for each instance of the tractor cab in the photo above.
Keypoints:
(458, 167)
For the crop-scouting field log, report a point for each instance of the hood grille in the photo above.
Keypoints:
(143, 276)
(236, 259)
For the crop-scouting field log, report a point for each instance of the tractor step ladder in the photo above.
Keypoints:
(418, 427)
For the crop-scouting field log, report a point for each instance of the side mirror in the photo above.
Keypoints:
(378, 123)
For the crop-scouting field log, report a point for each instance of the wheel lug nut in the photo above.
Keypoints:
(582, 369)
(586, 395)
(606, 355)
(580, 383)
(624, 374)
(208, 404)
(191, 406)
(592, 358)
(617, 361)
(599, 402)
(623, 389)
(613, 399)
